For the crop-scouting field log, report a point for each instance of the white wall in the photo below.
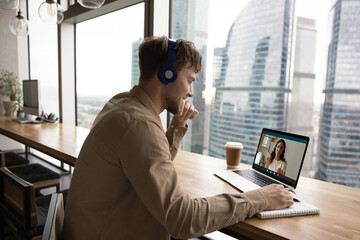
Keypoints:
(8, 46)
(13, 57)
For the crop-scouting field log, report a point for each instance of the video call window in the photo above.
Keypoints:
(288, 150)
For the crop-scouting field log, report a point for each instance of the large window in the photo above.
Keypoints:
(274, 64)
(106, 59)
(44, 59)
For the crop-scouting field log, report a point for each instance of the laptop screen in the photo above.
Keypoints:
(280, 155)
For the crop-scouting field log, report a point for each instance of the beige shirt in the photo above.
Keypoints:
(125, 184)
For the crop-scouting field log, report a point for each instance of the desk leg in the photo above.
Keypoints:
(27, 150)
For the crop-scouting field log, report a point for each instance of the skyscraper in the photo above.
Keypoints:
(135, 71)
(339, 147)
(252, 92)
(190, 21)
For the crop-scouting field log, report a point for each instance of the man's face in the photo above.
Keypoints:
(179, 90)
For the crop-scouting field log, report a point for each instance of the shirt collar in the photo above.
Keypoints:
(138, 93)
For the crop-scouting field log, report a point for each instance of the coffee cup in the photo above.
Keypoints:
(233, 154)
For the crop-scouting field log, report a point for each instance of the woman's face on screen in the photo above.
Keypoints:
(279, 149)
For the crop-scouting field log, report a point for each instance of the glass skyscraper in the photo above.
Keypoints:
(339, 146)
(253, 88)
(189, 20)
(135, 71)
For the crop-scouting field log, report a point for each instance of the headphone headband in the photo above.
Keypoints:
(168, 74)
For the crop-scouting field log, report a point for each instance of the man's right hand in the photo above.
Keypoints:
(276, 196)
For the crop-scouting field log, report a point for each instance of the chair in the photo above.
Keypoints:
(55, 218)
(21, 213)
(37, 174)
(14, 160)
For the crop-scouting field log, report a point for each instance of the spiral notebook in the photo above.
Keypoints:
(299, 208)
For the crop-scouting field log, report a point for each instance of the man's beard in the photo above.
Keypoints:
(172, 106)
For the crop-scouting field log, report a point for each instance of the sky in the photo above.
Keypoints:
(104, 51)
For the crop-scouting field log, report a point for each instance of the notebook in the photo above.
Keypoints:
(299, 208)
(285, 171)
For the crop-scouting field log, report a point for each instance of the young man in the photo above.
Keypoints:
(125, 185)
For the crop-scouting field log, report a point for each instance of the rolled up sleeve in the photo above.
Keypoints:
(175, 134)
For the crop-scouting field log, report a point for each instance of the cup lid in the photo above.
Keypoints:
(234, 145)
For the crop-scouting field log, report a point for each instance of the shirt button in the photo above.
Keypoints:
(172, 126)
(176, 130)
(171, 149)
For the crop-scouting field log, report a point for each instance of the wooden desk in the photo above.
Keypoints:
(57, 140)
(339, 205)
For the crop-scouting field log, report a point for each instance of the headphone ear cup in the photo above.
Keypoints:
(167, 74)
(52, 117)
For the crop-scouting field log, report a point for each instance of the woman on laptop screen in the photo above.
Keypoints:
(276, 161)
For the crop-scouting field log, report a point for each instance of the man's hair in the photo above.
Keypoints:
(153, 56)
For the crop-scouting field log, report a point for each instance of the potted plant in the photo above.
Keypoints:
(10, 87)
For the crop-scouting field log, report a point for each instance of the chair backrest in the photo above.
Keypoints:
(55, 218)
(17, 200)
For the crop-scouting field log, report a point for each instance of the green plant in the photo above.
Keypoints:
(10, 86)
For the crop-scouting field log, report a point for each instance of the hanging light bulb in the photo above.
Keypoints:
(19, 25)
(91, 3)
(9, 4)
(51, 12)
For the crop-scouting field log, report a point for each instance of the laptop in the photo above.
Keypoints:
(284, 168)
(25, 120)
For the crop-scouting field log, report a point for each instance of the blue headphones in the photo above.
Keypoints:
(168, 74)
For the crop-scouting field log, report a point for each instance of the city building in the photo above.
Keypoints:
(135, 71)
(190, 21)
(339, 146)
(252, 92)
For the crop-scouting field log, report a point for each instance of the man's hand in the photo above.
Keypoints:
(186, 111)
(276, 196)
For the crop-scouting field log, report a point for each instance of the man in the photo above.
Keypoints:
(125, 185)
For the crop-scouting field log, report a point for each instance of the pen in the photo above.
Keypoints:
(296, 200)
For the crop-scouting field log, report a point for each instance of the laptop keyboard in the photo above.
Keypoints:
(256, 178)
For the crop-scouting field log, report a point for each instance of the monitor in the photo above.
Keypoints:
(31, 96)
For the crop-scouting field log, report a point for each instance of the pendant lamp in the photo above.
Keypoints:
(9, 4)
(51, 12)
(92, 4)
(19, 25)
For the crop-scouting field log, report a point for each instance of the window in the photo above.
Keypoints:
(265, 66)
(106, 59)
(44, 59)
